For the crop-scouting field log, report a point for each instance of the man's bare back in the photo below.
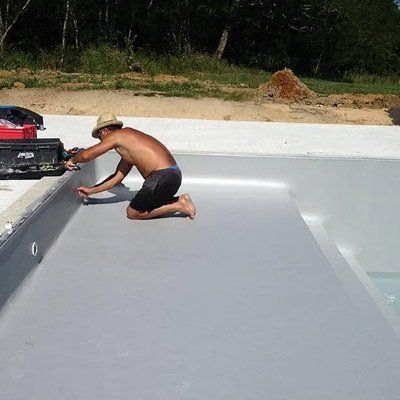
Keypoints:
(142, 151)
(152, 159)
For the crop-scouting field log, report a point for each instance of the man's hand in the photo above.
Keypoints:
(70, 166)
(85, 191)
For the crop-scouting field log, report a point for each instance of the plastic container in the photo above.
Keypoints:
(24, 132)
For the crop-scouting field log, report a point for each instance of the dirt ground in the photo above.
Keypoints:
(125, 103)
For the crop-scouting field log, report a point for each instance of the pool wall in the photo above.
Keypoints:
(356, 200)
(41, 223)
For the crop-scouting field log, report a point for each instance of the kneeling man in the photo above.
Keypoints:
(152, 159)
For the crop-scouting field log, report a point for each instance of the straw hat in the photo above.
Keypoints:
(103, 121)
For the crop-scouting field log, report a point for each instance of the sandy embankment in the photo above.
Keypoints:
(125, 103)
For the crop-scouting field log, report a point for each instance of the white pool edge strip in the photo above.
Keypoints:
(249, 138)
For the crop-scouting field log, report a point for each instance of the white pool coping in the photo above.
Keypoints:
(11, 191)
(249, 138)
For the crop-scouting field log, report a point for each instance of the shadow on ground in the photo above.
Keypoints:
(123, 194)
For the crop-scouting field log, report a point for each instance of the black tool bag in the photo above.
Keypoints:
(21, 116)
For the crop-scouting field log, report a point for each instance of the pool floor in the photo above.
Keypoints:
(233, 305)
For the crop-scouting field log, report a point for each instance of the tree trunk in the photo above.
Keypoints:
(316, 69)
(106, 16)
(64, 33)
(99, 20)
(187, 44)
(222, 43)
(132, 22)
(5, 26)
(75, 21)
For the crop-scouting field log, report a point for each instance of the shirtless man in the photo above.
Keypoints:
(154, 162)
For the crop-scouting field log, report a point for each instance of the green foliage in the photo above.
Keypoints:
(180, 64)
(18, 59)
(175, 89)
(372, 79)
(317, 38)
(325, 87)
(103, 59)
(49, 59)
(237, 84)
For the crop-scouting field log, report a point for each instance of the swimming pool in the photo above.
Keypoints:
(266, 292)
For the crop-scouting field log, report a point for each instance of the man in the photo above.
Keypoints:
(154, 162)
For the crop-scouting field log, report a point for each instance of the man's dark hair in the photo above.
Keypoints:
(113, 127)
(110, 128)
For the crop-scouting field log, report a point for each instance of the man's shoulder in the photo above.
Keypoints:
(125, 130)
(121, 132)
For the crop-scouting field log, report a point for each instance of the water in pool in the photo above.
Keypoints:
(389, 285)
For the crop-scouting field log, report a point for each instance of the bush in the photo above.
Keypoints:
(179, 65)
(103, 59)
(49, 59)
(17, 59)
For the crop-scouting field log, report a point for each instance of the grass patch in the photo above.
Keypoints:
(6, 83)
(180, 65)
(240, 78)
(28, 82)
(326, 88)
(106, 67)
(175, 89)
(369, 79)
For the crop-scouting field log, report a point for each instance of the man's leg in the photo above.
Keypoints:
(183, 205)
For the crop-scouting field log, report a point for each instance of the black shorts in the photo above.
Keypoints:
(158, 189)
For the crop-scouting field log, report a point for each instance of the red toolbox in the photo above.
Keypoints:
(26, 132)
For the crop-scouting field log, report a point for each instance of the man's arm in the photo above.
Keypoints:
(122, 170)
(108, 143)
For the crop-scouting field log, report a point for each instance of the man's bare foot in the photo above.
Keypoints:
(187, 206)
(191, 204)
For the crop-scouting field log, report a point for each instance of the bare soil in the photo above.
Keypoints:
(335, 110)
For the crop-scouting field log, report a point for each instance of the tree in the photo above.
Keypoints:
(231, 11)
(64, 32)
(9, 15)
(328, 38)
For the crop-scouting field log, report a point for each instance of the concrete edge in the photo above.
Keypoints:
(310, 155)
(26, 206)
(15, 210)
(222, 121)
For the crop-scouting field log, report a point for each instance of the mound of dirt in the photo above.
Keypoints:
(284, 85)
